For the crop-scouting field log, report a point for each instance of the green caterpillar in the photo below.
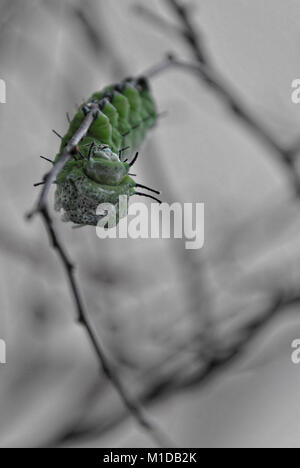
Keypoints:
(99, 173)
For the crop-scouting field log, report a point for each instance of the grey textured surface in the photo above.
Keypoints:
(139, 293)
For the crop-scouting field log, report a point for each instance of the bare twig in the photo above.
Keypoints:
(207, 73)
(285, 156)
(82, 316)
(213, 362)
(246, 335)
(189, 32)
(186, 29)
(69, 151)
(211, 78)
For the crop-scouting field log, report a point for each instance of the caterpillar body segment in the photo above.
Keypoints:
(100, 172)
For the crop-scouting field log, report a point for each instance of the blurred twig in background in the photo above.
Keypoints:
(213, 357)
(208, 363)
(144, 323)
(70, 151)
(212, 78)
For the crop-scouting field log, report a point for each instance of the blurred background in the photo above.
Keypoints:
(202, 338)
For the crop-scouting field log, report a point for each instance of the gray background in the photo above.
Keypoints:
(150, 300)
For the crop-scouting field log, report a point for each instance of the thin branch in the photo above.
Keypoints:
(70, 150)
(285, 156)
(215, 361)
(186, 30)
(131, 404)
(221, 357)
(159, 68)
(247, 334)
(189, 32)
(208, 75)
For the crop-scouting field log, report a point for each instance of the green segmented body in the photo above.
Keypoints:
(100, 174)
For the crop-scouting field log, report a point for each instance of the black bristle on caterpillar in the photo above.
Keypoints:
(134, 160)
(47, 159)
(99, 172)
(147, 195)
(57, 134)
(148, 188)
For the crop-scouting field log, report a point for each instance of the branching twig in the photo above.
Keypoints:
(221, 356)
(218, 358)
(68, 153)
(285, 157)
(82, 316)
(211, 78)
(207, 73)
(213, 362)
(189, 32)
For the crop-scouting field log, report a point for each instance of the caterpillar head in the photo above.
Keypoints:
(100, 178)
(105, 167)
